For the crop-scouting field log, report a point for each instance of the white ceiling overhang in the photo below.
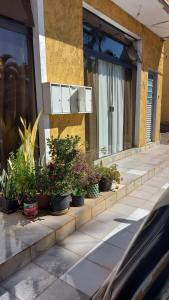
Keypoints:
(154, 14)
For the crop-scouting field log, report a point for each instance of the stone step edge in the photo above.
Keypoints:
(80, 216)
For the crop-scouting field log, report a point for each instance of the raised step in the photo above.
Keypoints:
(23, 240)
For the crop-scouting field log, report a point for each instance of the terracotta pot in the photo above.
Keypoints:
(30, 209)
(43, 201)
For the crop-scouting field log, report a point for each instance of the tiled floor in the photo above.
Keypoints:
(77, 267)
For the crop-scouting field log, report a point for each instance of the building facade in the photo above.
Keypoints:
(78, 43)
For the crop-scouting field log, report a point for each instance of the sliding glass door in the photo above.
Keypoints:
(111, 107)
(110, 68)
(110, 128)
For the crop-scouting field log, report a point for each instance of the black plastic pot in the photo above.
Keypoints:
(77, 200)
(60, 204)
(105, 185)
(9, 205)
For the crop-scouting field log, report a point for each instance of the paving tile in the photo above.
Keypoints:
(60, 290)
(86, 277)
(5, 295)
(82, 214)
(108, 217)
(29, 282)
(9, 246)
(106, 255)
(15, 263)
(42, 245)
(57, 260)
(79, 243)
(96, 229)
(123, 208)
(121, 239)
(12, 221)
(99, 208)
(133, 201)
(141, 194)
(111, 200)
(31, 233)
(65, 230)
(55, 222)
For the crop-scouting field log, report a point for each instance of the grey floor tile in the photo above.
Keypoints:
(53, 221)
(109, 217)
(97, 229)
(57, 260)
(9, 246)
(123, 208)
(31, 233)
(140, 194)
(86, 277)
(5, 295)
(29, 282)
(79, 243)
(106, 255)
(133, 201)
(60, 290)
(121, 239)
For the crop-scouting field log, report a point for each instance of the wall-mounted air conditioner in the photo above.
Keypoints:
(66, 99)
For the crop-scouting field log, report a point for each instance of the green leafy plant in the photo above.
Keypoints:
(60, 178)
(109, 174)
(7, 186)
(21, 165)
(63, 149)
(63, 153)
(80, 174)
(93, 176)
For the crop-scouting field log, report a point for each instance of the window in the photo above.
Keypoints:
(17, 96)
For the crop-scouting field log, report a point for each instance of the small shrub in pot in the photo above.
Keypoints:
(42, 186)
(62, 153)
(93, 183)
(80, 174)
(107, 177)
(9, 202)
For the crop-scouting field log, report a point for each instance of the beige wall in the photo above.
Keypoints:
(64, 54)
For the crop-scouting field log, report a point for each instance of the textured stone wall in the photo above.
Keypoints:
(165, 94)
(64, 54)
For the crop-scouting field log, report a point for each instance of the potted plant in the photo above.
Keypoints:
(93, 183)
(9, 203)
(63, 153)
(60, 188)
(22, 164)
(80, 175)
(108, 176)
(42, 184)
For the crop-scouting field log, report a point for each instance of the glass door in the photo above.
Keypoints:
(17, 96)
(111, 107)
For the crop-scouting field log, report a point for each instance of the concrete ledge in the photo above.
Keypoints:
(28, 239)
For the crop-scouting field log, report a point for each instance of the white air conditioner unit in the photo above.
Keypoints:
(66, 99)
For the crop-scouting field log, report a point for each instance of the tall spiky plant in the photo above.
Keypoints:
(28, 139)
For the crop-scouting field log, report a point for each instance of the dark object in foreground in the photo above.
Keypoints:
(9, 205)
(105, 185)
(77, 201)
(60, 204)
(143, 272)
